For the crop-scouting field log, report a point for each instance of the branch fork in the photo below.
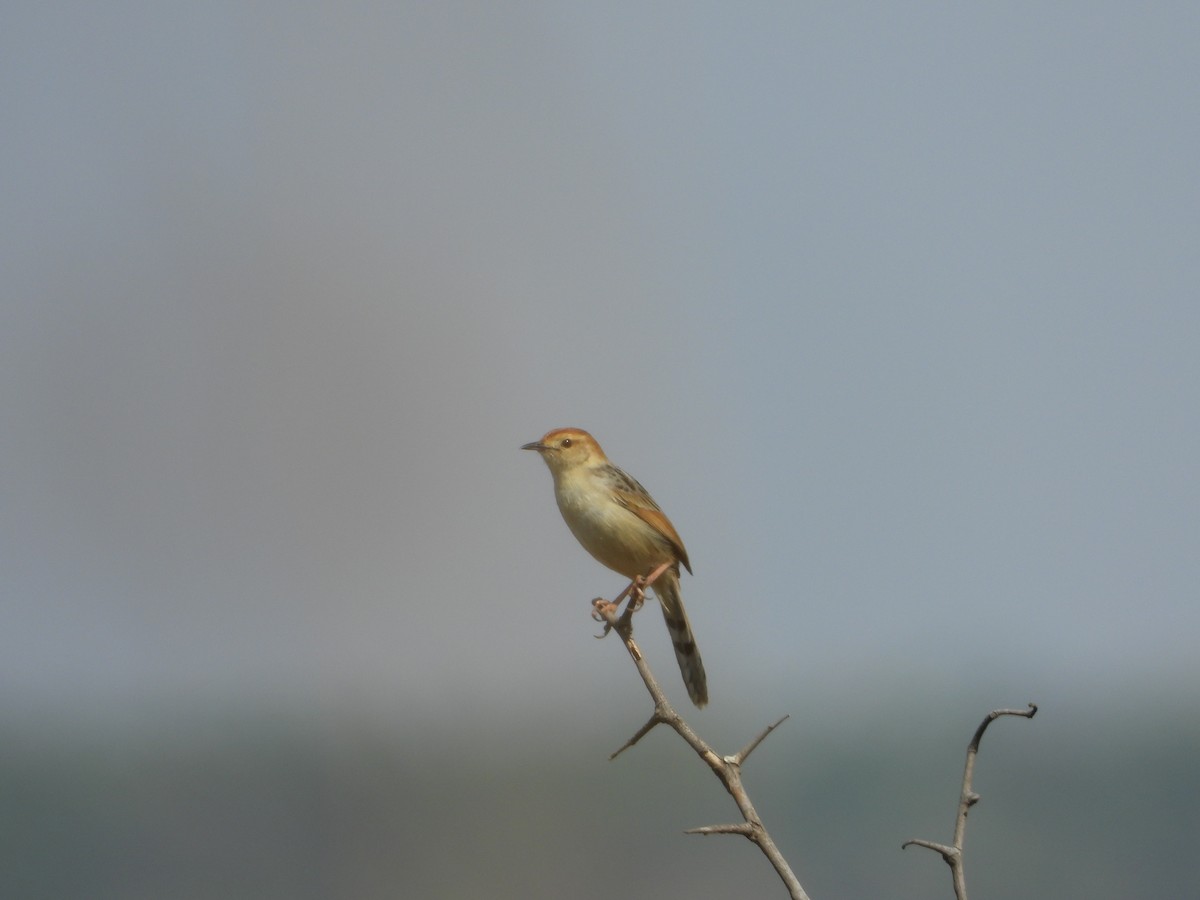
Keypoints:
(727, 769)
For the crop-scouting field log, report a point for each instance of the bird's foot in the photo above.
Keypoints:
(605, 611)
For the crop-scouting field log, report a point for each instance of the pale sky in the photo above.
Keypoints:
(895, 313)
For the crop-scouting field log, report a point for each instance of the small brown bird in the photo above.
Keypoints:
(617, 521)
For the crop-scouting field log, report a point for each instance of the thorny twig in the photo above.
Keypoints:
(728, 769)
(953, 853)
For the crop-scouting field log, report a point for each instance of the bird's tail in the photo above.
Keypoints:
(666, 588)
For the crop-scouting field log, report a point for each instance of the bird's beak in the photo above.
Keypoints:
(535, 445)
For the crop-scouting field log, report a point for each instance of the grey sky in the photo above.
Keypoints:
(895, 313)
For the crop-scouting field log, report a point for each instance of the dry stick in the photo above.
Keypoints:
(953, 855)
(728, 768)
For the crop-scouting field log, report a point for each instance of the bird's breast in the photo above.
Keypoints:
(608, 531)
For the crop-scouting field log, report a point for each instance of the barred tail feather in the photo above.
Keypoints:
(666, 588)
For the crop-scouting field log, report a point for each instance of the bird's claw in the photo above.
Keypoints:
(601, 610)
(637, 594)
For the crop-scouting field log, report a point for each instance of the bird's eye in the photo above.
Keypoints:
(566, 442)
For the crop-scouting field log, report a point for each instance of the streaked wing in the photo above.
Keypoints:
(638, 501)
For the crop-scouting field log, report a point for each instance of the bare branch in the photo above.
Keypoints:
(1028, 713)
(641, 733)
(727, 769)
(740, 757)
(742, 828)
(948, 853)
(953, 855)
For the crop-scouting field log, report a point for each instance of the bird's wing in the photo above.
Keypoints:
(638, 501)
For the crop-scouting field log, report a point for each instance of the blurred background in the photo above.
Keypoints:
(894, 311)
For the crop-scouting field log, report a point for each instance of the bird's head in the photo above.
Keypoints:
(566, 448)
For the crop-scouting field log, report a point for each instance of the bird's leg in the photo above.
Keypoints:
(635, 591)
(605, 608)
(612, 605)
(637, 587)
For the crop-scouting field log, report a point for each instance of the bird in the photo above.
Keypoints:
(619, 524)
